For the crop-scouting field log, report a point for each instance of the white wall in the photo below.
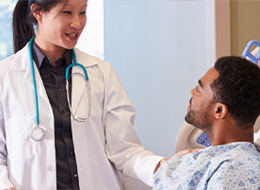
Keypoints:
(159, 48)
(92, 37)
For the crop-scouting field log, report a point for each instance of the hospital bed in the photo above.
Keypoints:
(190, 137)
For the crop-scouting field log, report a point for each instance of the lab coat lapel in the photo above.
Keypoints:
(26, 64)
(78, 87)
(79, 90)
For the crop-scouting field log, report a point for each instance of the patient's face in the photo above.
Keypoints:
(200, 111)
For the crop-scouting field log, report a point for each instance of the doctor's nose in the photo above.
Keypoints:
(76, 22)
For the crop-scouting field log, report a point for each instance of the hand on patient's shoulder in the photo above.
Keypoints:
(11, 188)
(181, 153)
(186, 151)
(160, 163)
(178, 154)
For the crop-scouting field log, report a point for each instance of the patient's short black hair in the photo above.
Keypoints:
(238, 87)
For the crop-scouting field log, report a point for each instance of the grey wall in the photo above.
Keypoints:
(159, 48)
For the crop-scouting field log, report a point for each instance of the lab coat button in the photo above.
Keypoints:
(51, 168)
(66, 132)
(75, 175)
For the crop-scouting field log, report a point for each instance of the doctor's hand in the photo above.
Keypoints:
(178, 154)
(10, 188)
(186, 151)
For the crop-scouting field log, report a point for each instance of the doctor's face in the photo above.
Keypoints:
(61, 26)
(200, 111)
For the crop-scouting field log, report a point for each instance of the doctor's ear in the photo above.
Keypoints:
(36, 12)
(220, 111)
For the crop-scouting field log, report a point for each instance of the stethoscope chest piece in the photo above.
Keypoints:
(37, 133)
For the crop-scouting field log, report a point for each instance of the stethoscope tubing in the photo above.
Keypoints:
(38, 132)
(34, 82)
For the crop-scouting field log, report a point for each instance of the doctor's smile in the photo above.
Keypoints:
(72, 37)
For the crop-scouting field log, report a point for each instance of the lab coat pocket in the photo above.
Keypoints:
(19, 143)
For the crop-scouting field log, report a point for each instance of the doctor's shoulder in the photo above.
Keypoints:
(5, 64)
(10, 63)
(90, 61)
(103, 72)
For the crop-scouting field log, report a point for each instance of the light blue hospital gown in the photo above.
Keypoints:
(234, 166)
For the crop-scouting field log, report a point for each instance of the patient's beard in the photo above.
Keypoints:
(199, 119)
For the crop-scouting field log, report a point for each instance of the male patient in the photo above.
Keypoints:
(225, 105)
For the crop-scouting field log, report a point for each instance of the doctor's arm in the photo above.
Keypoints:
(5, 183)
(122, 144)
(123, 148)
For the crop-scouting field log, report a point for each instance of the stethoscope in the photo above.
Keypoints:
(38, 132)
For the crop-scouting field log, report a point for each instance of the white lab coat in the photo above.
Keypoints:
(104, 145)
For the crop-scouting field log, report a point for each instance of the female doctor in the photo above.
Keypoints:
(53, 137)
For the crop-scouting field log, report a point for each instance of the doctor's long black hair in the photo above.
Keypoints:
(23, 20)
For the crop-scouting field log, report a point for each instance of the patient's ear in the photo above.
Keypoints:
(220, 111)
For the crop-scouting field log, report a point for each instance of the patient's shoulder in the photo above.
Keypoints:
(240, 156)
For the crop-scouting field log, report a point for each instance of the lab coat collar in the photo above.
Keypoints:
(22, 61)
(85, 59)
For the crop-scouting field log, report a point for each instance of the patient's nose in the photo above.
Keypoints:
(192, 91)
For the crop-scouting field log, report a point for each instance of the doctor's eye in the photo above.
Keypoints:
(83, 12)
(66, 12)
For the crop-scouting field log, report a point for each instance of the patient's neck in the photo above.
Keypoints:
(229, 132)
